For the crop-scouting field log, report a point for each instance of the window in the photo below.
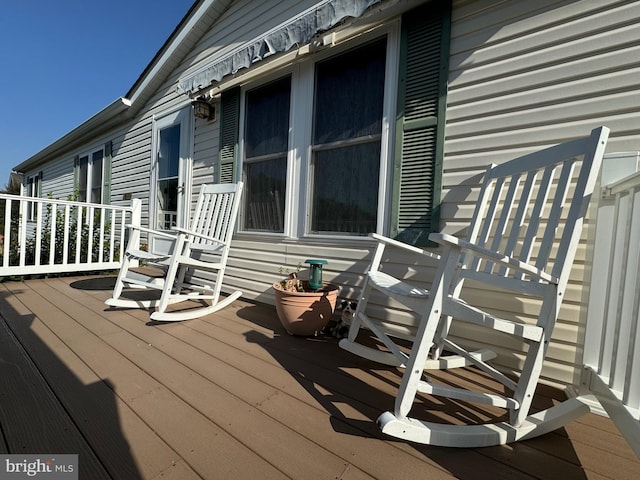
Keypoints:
(265, 162)
(349, 93)
(347, 141)
(342, 165)
(34, 190)
(90, 171)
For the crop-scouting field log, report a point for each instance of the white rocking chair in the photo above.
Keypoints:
(203, 247)
(522, 239)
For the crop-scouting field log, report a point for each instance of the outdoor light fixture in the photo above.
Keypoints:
(203, 109)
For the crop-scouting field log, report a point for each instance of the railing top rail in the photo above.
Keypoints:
(73, 203)
(620, 186)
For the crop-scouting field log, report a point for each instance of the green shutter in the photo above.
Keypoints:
(106, 174)
(229, 131)
(422, 90)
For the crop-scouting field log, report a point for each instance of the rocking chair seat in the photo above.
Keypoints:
(393, 286)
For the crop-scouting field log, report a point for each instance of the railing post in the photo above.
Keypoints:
(612, 337)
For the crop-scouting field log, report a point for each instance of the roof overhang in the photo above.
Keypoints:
(295, 32)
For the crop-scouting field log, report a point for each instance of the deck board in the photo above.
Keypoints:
(37, 423)
(231, 395)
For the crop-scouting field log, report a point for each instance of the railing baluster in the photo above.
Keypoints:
(38, 237)
(65, 245)
(52, 233)
(79, 233)
(612, 338)
(7, 232)
(112, 234)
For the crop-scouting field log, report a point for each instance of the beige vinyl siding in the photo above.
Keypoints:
(525, 75)
(242, 22)
(254, 265)
(130, 166)
(57, 178)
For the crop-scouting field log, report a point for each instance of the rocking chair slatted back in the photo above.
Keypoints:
(212, 215)
(529, 210)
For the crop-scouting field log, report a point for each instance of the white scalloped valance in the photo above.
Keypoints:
(297, 31)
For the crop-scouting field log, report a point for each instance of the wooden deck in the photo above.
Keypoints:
(232, 396)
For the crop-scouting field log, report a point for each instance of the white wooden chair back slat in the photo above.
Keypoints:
(554, 225)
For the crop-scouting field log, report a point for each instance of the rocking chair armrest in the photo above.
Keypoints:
(497, 257)
(404, 246)
(184, 231)
(159, 233)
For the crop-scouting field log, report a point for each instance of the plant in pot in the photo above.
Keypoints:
(305, 306)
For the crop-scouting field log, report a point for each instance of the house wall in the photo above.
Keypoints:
(56, 178)
(523, 75)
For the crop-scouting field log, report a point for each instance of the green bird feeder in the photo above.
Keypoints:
(315, 273)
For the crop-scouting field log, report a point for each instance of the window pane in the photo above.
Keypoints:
(265, 195)
(96, 177)
(169, 152)
(349, 94)
(268, 119)
(348, 107)
(83, 165)
(266, 146)
(167, 204)
(345, 196)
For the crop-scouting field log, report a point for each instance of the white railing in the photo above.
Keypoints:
(612, 338)
(42, 235)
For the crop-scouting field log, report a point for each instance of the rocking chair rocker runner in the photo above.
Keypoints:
(522, 239)
(203, 247)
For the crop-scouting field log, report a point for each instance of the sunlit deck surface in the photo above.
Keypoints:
(233, 396)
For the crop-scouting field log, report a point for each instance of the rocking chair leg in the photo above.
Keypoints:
(362, 304)
(423, 342)
(170, 279)
(119, 286)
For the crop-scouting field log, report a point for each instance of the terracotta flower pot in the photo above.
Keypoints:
(305, 313)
